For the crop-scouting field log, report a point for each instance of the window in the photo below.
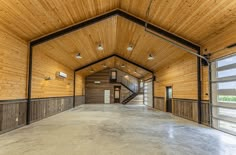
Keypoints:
(224, 94)
(227, 126)
(226, 61)
(227, 112)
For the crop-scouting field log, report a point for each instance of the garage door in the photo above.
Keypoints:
(148, 94)
(224, 94)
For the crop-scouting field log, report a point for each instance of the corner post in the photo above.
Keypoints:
(74, 89)
(199, 83)
(28, 106)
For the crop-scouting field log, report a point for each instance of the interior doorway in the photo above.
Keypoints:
(117, 94)
(107, 96)
(169, 99)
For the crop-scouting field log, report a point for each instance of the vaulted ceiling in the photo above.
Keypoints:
(115, 62)
(194, 20)
(115, 34)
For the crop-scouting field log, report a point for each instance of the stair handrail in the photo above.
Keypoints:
(132, 86)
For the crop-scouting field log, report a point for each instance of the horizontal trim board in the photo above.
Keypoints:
(25, 100)
(184, 99)
(14, 100)
(159, 97)
(108, 15)
(50, 98)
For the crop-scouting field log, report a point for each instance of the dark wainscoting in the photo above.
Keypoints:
(188, 109)
(205, 113)
(45, 107)
(159, 103)
(79, 100)
(185, 108)
(13, 112)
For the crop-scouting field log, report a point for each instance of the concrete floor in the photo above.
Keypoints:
(116, 130)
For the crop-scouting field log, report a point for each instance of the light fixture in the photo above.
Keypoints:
(100, 48)
(126, 76)
(130, 48)
(91, 70)
(61, 75)
(47, 78)
(150, 57)
(104, 65)
(135, 71)
(78, 56)
(122, 65)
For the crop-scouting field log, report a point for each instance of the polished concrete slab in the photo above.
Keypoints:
(116, 130)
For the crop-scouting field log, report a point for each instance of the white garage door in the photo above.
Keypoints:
(224, 94)
(148, 95)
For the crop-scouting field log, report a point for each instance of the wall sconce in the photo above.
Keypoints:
(47, 78)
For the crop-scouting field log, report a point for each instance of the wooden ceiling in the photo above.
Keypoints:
(194, 20)
(115, 34)
(83, 41)
(30, 19)
(114, 62)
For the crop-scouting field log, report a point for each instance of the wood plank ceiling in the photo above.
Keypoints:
(195, 20)
(114, 34)
(114, 62)
(30, 19)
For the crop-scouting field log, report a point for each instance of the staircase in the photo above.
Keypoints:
(131, 85)
(138, 99)
(128, 99)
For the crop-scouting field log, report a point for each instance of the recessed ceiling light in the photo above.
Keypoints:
(130, 48)
(100, 48)
(104, 65)
(135, 71)
(150, 57)
(78, 56)
(122, 65)
(91, 70)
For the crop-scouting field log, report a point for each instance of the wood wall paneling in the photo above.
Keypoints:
(45, 107)
(181, 75)
(186, 109)
(13, 66)
(44, 66)
(12, 115)
(80, 85)
(79, 100)
(160, 103)
(94, 93)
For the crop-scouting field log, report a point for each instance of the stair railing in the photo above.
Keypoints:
(132, 86)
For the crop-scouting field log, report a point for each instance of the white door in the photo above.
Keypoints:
(107, 96)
